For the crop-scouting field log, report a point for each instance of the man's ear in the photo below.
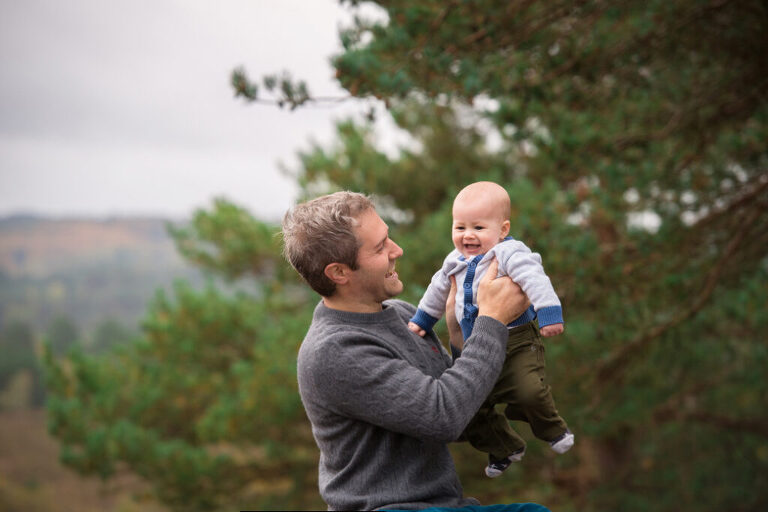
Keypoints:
(504, 228)
(337, 272)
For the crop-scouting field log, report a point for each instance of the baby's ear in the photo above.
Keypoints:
(504, 228)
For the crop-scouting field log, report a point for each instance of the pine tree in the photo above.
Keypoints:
(631, 139)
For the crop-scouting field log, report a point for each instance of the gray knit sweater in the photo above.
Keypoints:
(384, 403)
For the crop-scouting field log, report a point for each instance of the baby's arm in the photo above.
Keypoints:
(526, 269)
(432, 304)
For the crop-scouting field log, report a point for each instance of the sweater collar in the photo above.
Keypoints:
(387, 314)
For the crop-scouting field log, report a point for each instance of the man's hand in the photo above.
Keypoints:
(417, 329)
(500, 298)
(551, 330)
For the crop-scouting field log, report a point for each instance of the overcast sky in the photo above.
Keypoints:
(124, 107)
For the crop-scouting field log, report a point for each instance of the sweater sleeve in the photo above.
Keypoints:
(358, 378)
(526, 269)
(424, 320)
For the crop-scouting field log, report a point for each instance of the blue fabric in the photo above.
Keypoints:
(546, 316)
(467, 323)
(528, 316)
(512, 507)
(424, 320)
(550, 315)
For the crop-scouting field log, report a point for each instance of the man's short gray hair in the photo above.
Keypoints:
(322, 231)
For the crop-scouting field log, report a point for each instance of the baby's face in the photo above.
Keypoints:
(477, 227)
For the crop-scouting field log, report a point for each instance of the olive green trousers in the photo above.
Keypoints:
(523, 387)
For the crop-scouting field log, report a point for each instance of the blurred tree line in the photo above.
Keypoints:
(22, 383)
(74, 281)
(631, 137)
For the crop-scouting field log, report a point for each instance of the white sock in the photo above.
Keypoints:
(563, 444)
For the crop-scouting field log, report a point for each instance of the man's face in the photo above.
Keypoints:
(375, 279)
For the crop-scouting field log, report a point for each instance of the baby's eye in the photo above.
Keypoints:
(478, 228)
(459, 228)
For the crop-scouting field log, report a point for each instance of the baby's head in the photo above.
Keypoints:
(480, 218)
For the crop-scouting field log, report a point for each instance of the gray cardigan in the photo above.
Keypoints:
(384, 403)
(516, 260)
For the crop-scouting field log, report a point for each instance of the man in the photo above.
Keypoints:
(383, 401)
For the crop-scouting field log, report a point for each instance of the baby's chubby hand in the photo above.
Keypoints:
(415, 328)
(550, 330)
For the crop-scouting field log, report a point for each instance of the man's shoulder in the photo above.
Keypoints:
(322, 342)
(401, 306)
(324, 326)
(330, 337)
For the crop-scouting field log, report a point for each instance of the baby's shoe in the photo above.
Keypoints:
(497, 466)
(563, 442)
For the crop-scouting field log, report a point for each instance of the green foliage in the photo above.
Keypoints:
(198, 405)
(631, 139)
(285, 91)
(229, 242)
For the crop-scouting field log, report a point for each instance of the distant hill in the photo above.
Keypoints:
(87, 270)
(38, 246)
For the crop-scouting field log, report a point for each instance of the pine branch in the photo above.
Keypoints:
(674, 409)
(289, 93)
(611, 367)
(753, 190)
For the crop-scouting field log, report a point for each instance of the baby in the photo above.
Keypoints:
(481, 213)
